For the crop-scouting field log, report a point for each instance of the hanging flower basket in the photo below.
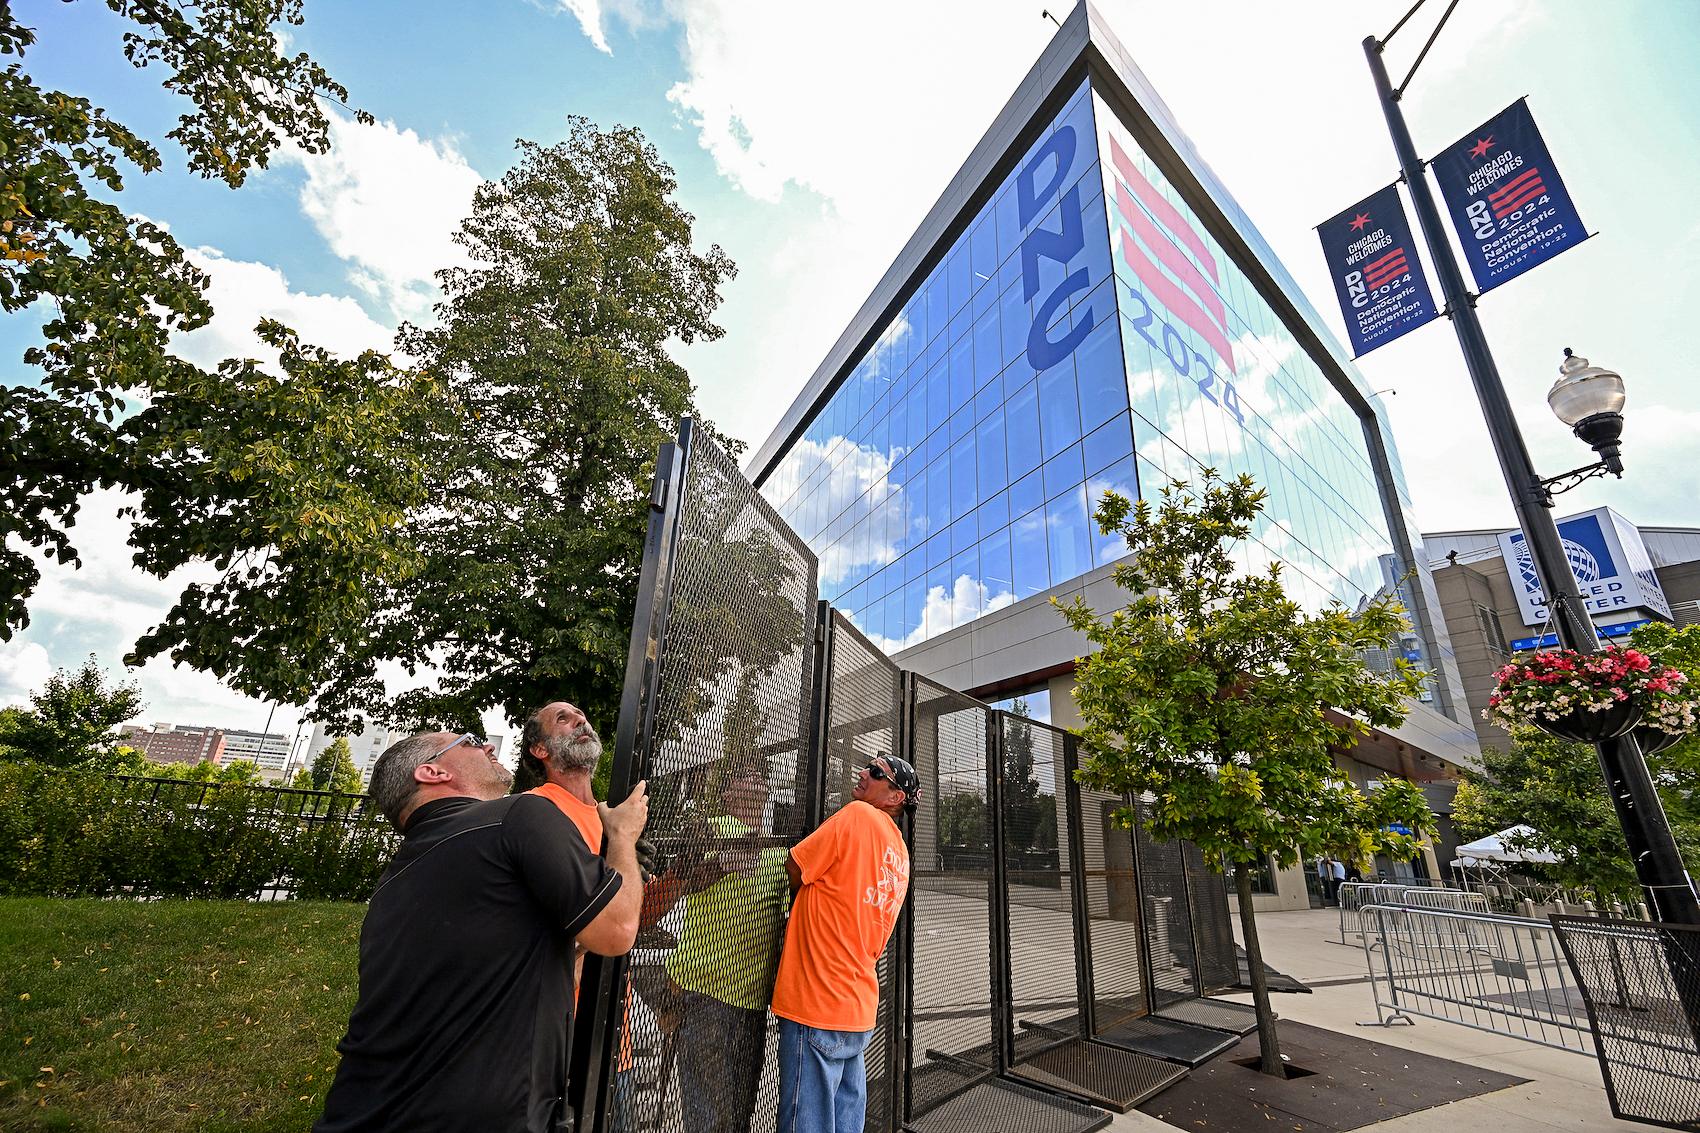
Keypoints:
(1652, 740)
(1590, 697)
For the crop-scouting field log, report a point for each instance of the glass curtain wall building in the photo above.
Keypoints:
(1084, 310)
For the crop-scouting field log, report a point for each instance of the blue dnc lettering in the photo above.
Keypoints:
(1061, 246)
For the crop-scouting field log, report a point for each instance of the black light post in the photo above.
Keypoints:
(1578, 400)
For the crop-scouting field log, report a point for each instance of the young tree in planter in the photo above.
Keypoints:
(1215, 693)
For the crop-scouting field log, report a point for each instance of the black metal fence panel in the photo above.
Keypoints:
(1168, 916)
(1641, 984)
(1044, 961)
(1113, 922)
(1212, 932)
(953, 997)
(863, 708)
(724, 747)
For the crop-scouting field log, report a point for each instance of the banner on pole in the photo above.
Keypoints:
(1507, 201)
(1383, 292)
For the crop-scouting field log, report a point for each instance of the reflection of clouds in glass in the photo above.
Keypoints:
(879, 360)
(968, 599)
(835, 476)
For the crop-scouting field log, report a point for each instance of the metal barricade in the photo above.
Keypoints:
(1451, 900)
(1641, 982)
(1354, 896)
(1506, 975)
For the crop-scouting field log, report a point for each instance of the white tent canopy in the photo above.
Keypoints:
(1493, 849)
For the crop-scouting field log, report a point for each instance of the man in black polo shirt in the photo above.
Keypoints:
(466, 952)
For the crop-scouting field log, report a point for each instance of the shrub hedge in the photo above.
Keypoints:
(69, 833)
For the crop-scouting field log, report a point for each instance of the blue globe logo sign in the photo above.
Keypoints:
(1398, 828)
(1583, 565)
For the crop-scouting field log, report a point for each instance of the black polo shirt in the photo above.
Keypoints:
(465, 972)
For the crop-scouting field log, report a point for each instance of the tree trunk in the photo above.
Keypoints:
(1267, 1039)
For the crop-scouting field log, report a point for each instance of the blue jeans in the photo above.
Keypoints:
(823, 1086)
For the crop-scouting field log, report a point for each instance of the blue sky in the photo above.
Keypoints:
(810, 140)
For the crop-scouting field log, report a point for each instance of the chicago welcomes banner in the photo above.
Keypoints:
(1377, 276)
(1507, 200)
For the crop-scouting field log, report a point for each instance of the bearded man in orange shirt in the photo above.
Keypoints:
(849, 879)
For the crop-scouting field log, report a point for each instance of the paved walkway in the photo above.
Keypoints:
(1563, 1091)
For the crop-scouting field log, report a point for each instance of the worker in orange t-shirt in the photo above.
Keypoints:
(849, 879)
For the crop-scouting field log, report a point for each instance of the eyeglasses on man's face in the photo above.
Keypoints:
(875, 771)
(470, 739)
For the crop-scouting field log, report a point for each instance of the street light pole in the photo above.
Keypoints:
(1658, 866)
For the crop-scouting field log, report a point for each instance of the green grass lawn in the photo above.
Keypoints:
(171, 1015)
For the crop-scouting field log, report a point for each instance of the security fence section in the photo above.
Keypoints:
(1641, 984)
(1047, 956)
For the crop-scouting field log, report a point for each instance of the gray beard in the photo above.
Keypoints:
(567, 754)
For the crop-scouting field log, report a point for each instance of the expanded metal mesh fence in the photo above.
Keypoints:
(863, 701)
(1113, 921)
(1168, 918)
(1218, 965)
(1044, 969)
(1641, 984)
(723, 752)
(954, 995)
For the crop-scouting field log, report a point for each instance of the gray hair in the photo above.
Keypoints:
(393, 785)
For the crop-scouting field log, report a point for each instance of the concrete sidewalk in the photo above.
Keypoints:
(1564, 1089)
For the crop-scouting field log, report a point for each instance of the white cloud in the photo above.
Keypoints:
(244, 292)
(389, 202)
(967, 599)
(24, 668)
(841, 473)
(589, 16)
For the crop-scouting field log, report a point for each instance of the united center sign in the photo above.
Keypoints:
(1608, 558)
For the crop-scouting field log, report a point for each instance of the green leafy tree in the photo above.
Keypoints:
(333, 769)
(552, 347)
(1221, 698)
(72, 721)
(118, 286)
(1557, 789)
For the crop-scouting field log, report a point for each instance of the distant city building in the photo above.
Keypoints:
(268, 749)
(165, 744)
(365, 746)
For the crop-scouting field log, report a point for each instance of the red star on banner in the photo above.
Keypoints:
(1482, 146)
(1359, 221)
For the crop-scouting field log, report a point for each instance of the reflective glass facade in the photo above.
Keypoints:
(1082, 332)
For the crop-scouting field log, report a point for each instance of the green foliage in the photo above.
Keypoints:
(551, 347)
(1678, 647)
(73, 834)
(333, 769)
(72, 721)
(118, 286)
(172, 1016)
(1221, 697)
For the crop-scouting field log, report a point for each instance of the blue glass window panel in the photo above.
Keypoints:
(1021, 425)
(1059, 409)
(1051, 272)
(1015, 320)
(989, 450)
(937, 388)
(1067, 535)
(964, 489)
(1008, 221)
(964, 533)
(938, 578)
(914, 563)
(989, 400)
(988, 349)
(938, 549)
(934, 354)
(959, 277)
(1026, 494)
(1029, 562)
(1063, 471)
(1107, 443)
(938, 497)
(937, 301)
(961, 366)
(994, 564)
(994, 514)
(1099, 374)
(1119, 478)
(961, 424)
(983, 251)
(935, 446)
(966, 565)
(916, 416)
(914, 605)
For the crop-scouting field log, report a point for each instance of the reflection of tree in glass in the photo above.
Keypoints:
(1030, 817)
(962, 821)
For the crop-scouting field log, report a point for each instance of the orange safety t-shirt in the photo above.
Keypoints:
(588, 819)
(855, 875)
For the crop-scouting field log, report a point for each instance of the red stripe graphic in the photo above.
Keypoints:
(1393, 270)
(1514, 185)
(1373, 265)
(1168, 255)
(1160, 208)
(1179, 303)
(1501, 211)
